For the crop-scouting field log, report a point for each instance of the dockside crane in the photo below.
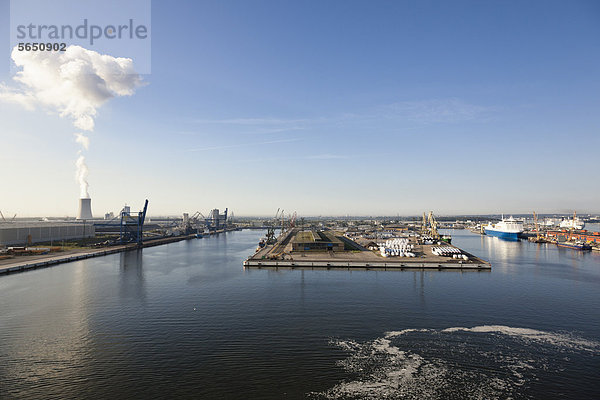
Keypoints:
(573, 227)
(271, 229)
(433, 226)
(132, 227)
(4, 219)
(216, 220)
(537, 229)
(196, 217)
(192, 224)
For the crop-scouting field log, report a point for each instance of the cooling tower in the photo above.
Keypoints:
(85, 209)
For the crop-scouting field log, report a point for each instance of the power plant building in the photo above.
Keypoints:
(85, 209)
(23, 233)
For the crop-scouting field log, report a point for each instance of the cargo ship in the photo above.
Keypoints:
(577, 236)
(508, 228)
(574, 245)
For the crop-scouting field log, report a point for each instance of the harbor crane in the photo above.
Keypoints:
(538, 237)
(132, 226)
(573, 227)
(196, 217)
(537, 228)
(271, 229)
(433, 226)
(192, 224)
(4, 219)
(216, 221)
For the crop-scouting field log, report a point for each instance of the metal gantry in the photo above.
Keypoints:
(216, 221)
(132, 227)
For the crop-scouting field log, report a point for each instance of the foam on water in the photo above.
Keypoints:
(497, 363)
(557, 339)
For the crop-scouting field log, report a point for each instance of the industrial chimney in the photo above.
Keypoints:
(85, 209)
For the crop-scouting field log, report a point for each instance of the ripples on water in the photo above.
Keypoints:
(185, 320)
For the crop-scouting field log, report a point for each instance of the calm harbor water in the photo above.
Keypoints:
(185, 320)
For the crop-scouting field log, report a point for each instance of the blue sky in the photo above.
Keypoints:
(333, 108)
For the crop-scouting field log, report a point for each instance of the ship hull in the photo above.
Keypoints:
(574, 246)
(503, 235)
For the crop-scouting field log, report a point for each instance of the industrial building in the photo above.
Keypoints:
(317, 241)
(23, 233)
(216, 221)
(85, 209)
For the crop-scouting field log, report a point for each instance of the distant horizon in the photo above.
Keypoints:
(418, 216)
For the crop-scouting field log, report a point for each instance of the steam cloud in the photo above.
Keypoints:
(81, 172)
(83, 140)
(81, 175)
(73, 83)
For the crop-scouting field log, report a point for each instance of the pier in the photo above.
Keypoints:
(283, 254)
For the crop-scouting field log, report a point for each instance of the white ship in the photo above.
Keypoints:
(508, 228)
(550, 222)
(572, 223)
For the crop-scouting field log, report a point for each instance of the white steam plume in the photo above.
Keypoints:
(83, 140)
(81, 176)
(73, 83)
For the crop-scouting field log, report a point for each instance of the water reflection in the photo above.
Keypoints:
(132, 283)
(52, 334)
(420, 287)
(504, 249)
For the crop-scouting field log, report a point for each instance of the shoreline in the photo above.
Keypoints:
(18, 264)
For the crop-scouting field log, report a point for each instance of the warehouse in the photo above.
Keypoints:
(23, 233)
(318, 241)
